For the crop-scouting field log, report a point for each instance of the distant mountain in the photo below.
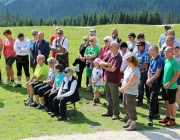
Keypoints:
(62, 8)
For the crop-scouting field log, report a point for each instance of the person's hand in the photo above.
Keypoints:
(94, 82)
(82, 59)
(109, 65)
(166, 86)
(30, 83)
(148, 81)
(121, 90)
(58, 97)
(44, 82)
(122, 80)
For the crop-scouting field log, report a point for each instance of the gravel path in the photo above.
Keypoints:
(166, 134)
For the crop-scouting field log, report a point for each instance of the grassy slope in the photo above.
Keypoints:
(18, 121)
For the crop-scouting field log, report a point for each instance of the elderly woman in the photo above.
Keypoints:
(91, 53)
(105, 49)
(47, 84)
(39, 76)
(82, 62)
(9, 55)
(131, 43)
(34, 38)
(130, 90)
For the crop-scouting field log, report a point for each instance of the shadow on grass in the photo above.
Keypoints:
(1, 104)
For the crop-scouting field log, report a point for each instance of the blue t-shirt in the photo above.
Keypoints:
(156, 63)
(59, 79)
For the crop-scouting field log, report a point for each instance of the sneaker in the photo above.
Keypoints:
(170, 123)
(25, 100)
(18, 86)
(150, 122)
(125, 119)
(9, 83)
(177, 106)
(94, 102)
(88, 89)
(34, 104)
(115, 117)
(132, 127)
(106, 114)
(30, 101)
(139, 103)
(40, 107)
(127, 124)
(165, 120)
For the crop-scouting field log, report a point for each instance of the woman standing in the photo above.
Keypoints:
(91, 53)
(131, 43)
(1, 47)
(34, 38)
(82, 62)
(9, 55)
(130, 90)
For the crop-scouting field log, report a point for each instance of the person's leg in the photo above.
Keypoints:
(41, 92)
(56, 105)
(90, 81)
(26, 68)
(12, 74)
(50, 101)
(141, 88)
(63, 102)
(36, 91)
(178, 97)
(8, 72)
(46, 94)
(19, 71)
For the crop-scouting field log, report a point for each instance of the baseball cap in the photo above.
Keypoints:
(92, 31)
(68, 69)
(97, 60)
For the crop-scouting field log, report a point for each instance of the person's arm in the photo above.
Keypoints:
(175, 77)
(50, 81)
(27, 46)
(131, 82)
(32, 78)
(143, 67)
(113, 67)
(145, 60)
(37, 79)
(1, 46)
(72, 89)
(60, 90)
(64, 45)
(46, 54)
(16, 47)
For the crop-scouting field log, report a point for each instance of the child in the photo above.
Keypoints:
(96, 80)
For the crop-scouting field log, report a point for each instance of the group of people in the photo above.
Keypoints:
(125, 67)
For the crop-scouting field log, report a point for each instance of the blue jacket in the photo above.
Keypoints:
(44, 49)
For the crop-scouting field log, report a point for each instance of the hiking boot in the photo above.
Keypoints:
(40, 107)
(127, 124)
(170, 123)
(34, 104)
(88, 89)
(18, 86)
(125, 119)
(165, 120)
(132, 127)
(106, 114)
(30, 101)
(115, 117)
(94, 102)
(150, 122)
(139, 103)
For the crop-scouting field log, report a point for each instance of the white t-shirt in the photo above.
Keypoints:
(124, 64)
(96, 73)
(63, 43)
(22, 48)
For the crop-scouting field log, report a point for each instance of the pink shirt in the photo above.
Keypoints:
(103, 52)
(9, 47)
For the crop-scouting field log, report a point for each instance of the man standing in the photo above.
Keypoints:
(40, 46)
(170, 76)
(143, 58)
(112, 63)
(21, 47)
(115, 36)
(154, 81)
(92, 32)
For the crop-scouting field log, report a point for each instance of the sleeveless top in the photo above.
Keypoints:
(9, 47)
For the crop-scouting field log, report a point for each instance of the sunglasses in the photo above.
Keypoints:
(129, 37)
(34, 34)
(138, 45)
(91, 41)
(85, 40)
(59, 33)
(106, 41)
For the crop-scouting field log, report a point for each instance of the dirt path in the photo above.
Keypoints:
(166, 134)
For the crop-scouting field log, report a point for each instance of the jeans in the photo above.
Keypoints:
(154, 103)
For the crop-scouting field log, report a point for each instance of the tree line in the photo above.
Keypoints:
(122, 17)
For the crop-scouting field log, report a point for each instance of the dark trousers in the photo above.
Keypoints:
(42, 90)
(80, 73)
(22, 61)
(60, 105)
(130, 106)
(142, 83)
(154, 104)
(48, 98)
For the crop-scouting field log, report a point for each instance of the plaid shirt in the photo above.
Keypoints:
(143, 58)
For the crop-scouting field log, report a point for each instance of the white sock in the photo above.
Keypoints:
(19, 82)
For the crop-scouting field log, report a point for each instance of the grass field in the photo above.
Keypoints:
(18, 121)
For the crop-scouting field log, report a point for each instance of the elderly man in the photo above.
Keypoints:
(162, 38)
(92, 32)
(60, 47)
(154, 81)
(21, 47)
(40, 46)
(144, 59)
(112, 63)
(67, 92)
(115, 36)
(170, 76)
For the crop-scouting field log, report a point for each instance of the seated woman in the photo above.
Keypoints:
(41, 88)
(50, 94)
(67, 92)
(39, 76)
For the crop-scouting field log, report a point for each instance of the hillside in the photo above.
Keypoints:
(62, 8)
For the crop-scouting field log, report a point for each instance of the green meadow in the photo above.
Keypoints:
(18, 121)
